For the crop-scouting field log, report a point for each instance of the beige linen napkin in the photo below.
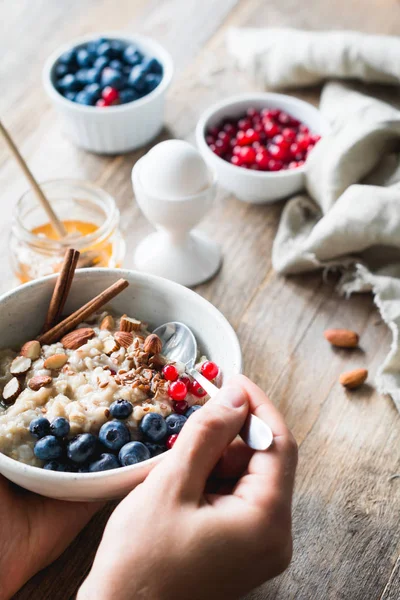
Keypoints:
(294, 58)
(350, 216)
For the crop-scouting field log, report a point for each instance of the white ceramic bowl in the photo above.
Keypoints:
(258, 187)
(150, 298)
(113, 129)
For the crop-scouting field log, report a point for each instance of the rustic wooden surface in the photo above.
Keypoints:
(346, 509)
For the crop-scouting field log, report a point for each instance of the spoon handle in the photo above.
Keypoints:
(255, 433)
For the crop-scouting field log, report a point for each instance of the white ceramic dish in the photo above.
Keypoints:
(150, 298)
(114, 129)
(258, 187)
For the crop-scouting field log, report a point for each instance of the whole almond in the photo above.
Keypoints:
(39, 381)
(128, 324)
(12, 390)
(31, 349)
(107, 323)
(353, 379)
(77, 338)
(110, 345)
(342, 338)
(152, 344)
(124, 338)
(55, 362)
(20, 365)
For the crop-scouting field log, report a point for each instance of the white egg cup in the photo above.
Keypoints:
(175, 251)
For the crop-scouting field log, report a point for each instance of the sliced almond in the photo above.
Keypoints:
(77, 338)
(124, 338)
(55, 362)
(107, 323)
(152, 344)
(39, 381)
(12, 390)
(342, 338)
(353, 379)
(110, 345)
(31, 349)
(20, 365)
(128, 324)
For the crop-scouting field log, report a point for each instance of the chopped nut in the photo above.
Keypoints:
(20, 365)
(110, 345)
(31, 349)
(107, 323)
(56, 361)
(106, 413)
(152, 344)
(124, 338)
(12, 390)
(103, 385)
(128, 324)
(39, 381)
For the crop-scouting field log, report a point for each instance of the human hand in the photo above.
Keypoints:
(34, 532)
(212, 520)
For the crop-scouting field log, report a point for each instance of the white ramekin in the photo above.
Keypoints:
(258, 187)
(114, 129)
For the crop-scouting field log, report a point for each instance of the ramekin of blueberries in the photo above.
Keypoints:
(97, 79)
(112, 447)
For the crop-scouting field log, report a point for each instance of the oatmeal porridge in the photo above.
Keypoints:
(102, 397)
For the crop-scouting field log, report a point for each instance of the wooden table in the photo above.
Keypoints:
(346, 509)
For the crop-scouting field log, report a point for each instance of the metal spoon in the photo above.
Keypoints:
(179, 344)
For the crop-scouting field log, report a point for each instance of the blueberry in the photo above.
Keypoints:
(126, 69)
(155, 449)
(152, 81)
(70, 96)
(104, 463)
(191, 410)
(133, 453)
(68, 57)
(60, 70)
(55, 465)
(83, 58)
(132, 56)
(84, 98)
(59, 427)
(39, 427)
(175, 423)
(151, 65)
(93, 75)
(91, 48)
(153, 426)
(121, 409)
(82, 447)
(112, 78)
(48, 448)
(114, 435)
(94, 91)
(100, 62)
(116, 64)
(137, 79)
(105, 50)
(128, 95)
(117, 48)
(81, 76)
(69, 83)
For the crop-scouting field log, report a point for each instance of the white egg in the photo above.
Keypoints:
(174, 169)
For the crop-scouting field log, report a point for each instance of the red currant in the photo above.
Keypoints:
(214, 131)
(170, 373)
(304, 141)
(209, 370)
(247, 155)
(252, 112)
(236, 160)
(288, 134)
(197, 390)
(241, 138)
(244, 124)
(252, 136)
(177, 391)
(224, 137)
(215, 149)
(181, 407)
(186, 380)
(101, 102)
(284, 118)
(278, 153)
(271, 129)
(262, 159)
(171, 440)
(110, 94)
(275, 165)
(210, 139)
(315, 138)
(229, 128)
(303, 128)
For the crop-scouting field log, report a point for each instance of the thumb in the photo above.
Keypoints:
(204, 438)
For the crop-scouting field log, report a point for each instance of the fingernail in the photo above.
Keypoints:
(234, 397)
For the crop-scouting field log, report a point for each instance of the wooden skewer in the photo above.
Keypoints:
(61, 289)
(65, 326)
(56, 223)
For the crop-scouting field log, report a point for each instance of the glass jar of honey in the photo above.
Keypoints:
(90, 217)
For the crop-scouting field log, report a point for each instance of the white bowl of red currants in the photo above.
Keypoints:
(110, 90)
(259, 143)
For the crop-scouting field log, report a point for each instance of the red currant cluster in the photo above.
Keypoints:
(262, 140)
(181, 386)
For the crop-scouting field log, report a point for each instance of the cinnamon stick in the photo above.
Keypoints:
(80, 315)
(61, 289)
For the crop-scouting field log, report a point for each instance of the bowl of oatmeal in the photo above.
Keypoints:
(86, 416)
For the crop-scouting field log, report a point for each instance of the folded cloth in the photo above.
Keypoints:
(294, 58)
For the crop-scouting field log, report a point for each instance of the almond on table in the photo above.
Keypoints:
(353, 379)
(342, 338)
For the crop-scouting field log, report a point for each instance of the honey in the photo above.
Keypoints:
(90, 218)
